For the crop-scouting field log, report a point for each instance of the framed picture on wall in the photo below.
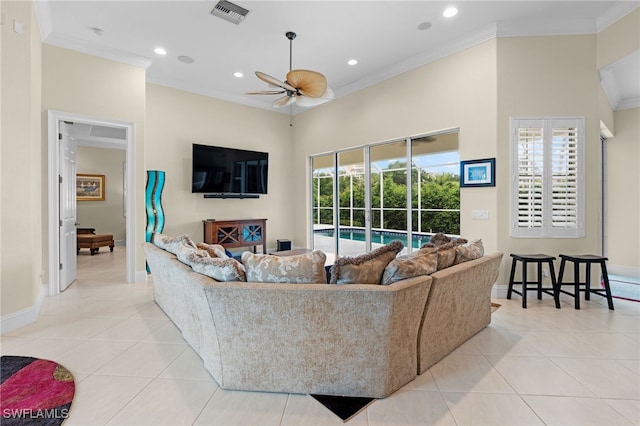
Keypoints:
(478, 172)
(90, 187)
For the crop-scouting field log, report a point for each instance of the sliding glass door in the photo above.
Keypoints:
(400, 190)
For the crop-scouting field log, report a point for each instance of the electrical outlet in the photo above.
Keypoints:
(480, 214)
(545, 273)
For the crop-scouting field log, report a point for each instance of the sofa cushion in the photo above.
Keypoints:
(220, 269)
(172, 244)
(446, 255)
(420, 262)
(307, 268)
(469, 251)
(214, 250)
(366, 268)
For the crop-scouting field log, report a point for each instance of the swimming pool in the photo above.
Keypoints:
(377, 236)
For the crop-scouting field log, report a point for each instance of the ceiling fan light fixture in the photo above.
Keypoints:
(450, 12)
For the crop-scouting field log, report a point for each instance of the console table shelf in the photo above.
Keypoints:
(236, 233)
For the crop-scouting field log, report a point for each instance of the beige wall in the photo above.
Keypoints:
(107, 217)
(619, 39)
(176, 119)
(83, 84)
(550, 76)
(21, 265)
(457, 91)
(623, 194)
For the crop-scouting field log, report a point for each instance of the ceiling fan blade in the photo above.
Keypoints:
(309, 83)
(274, 81)
(284, 101)
(266, 92)
(307, 102)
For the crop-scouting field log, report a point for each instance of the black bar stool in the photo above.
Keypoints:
(587, 259)
(538, 259)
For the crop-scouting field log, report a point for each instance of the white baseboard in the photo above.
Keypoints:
(141, 276)
(499, 291)
(627, 271)
(23, 317)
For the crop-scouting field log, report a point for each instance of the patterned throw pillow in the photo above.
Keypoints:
(421, 262)
(366, 268)
(446, 255)
(172, 244)
(307, 268)
(469, 251)
(227, 269)
(214, 250)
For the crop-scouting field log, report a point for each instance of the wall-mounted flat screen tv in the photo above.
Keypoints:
(228, 171)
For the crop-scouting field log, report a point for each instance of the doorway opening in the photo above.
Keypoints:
(106, 134)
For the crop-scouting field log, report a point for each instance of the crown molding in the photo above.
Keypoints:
(94, 49)
(615, 13)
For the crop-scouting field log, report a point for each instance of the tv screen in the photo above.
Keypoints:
(219, 170)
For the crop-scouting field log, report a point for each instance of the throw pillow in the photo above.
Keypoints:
(420, 262)
(214, 250)
(307, 268)
(220, 269)
(172, 244)
(446, 255)
(366, 268)
(469, 251)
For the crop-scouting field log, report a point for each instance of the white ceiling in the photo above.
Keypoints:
(382, 35)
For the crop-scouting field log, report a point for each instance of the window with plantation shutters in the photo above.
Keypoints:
(547, 177)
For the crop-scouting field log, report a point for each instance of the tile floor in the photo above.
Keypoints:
(529, 367)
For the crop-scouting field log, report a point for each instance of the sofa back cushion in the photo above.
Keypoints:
(173, 244)
(420, 262)
(366, 268)
(307, 268)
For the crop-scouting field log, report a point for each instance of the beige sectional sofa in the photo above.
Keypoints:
(355, 340)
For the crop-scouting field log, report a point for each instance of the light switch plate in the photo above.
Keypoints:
(480, 214)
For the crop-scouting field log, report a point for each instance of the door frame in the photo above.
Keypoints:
(54, 117)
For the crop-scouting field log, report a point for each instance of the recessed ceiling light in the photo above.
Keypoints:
(160, 51)
(449, 12)
(238, 74)
(424, 26)
(352, 62)
(186, 59)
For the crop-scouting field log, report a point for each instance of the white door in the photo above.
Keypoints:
(67, 207)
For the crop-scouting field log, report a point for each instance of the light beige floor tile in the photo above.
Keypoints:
(612, 345)
(605, 378)
(500, 341)
(168, 333)
(631, 364)
(99, 398)
(553, 343)
(629, 408)
(188, 366)
(490, 409)
(574, 411)
(8, 343)
(468, 373)
(304, 410)
(131, 329)
(143, 359)
(91, 355)
(44, 348)
(537, 376)
(151, 311)
(166, 402)
(78, 328)
(406, 407)
(424, 381)
(243, 408)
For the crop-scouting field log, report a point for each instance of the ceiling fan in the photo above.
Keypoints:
(305, 88)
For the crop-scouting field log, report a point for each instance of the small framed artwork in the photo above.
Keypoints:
(478, 172)
(89, 187)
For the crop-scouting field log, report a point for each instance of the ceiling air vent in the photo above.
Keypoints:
(229, 12)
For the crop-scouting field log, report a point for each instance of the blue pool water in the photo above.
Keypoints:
(380, 237)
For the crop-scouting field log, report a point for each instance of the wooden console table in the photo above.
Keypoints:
(236, 233)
